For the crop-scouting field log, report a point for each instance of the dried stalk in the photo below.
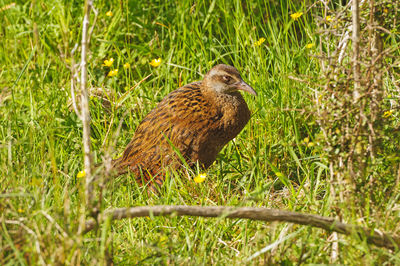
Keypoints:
(374, 237)
(85, 105)
(356, 49)
(85, 117)
(335, 248)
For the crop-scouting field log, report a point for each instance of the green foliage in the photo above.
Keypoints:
(277, 161)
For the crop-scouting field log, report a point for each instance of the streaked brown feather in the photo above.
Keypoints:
(195, 119)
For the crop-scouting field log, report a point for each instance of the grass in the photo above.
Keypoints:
(269, 164)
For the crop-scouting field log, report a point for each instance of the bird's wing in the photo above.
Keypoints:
(178, 120)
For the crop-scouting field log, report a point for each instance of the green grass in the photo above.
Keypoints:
(268, 164)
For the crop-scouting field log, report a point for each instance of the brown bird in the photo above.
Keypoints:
(193, 122)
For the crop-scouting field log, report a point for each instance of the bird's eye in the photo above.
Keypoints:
(226, 78)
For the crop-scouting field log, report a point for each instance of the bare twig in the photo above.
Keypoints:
(335, 248)
(85, 105)
(85, 117)
(95, 12)
(342, 46)
(345, 36)
(356, 49)
(262, 214)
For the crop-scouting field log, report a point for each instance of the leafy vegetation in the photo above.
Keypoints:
(277, 161)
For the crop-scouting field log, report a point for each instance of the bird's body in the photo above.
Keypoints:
(195, 121)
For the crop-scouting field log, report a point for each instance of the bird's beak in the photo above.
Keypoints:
(246, 87)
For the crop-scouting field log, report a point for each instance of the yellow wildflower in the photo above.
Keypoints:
(296, 15)
(113, 73)
(279, 174)
(329, 18)
(310, 45)
(155, 62)
(259, 42)
(108, 62)
(109, 13)
(200, 178)
(81, 174)
(127, 65)
(387, 114)
(20, 210)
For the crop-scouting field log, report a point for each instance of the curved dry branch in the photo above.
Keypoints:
(375, 237)
(85, 105)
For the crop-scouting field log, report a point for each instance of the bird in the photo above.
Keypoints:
(190, 125)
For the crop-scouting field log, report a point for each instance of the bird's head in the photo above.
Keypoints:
(226, 79)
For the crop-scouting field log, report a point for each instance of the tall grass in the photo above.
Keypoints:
(269, 164)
